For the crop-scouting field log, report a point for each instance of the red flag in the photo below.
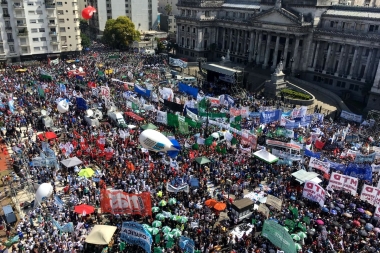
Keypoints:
(91, 85)
(101, 142)
(319, 144)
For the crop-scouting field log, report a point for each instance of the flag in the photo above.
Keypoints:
(62, 87)
(41, 92)
(183, 127)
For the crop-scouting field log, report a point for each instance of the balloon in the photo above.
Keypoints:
(157, 142)
(63, 106)
(44, 191)
(88, 12)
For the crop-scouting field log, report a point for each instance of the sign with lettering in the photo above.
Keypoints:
(274, 201)
(134, 233)
(314, 192)
(370, 194)
(283, 144)
(377, 211)
(343, 182)
(270, 116)
(317, 164)
(351, 116)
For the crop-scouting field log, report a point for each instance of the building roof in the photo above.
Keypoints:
(241, 6)
(242, 203)
(220, 69)
(353, 13)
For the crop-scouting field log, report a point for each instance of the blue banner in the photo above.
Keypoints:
(188, 89)
(270, 116)
(254, 114)
(134, 233)
(360, 171)
(312, 154)
(62, 87)
(141, 91)
(186, 244)
(58, 201)
(11, 105)
(365, 158)
(287, 114)
(336, 166)
(81, 104)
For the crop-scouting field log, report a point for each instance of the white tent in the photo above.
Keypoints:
(302, 176)
(101, 234)
(265, 156)
(45, 190)
(71, 162)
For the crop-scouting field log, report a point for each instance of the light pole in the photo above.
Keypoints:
(255, 58)
(208, 105)
(291, 65)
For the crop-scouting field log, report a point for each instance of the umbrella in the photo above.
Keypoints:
(319, 222)
(210, 202)
(376, 230)
(368, 227)
(172, 201)
(155, 209)
(157, 223)
(166, 229)
(368, 212)
(356, 223)
(298, 246)
(341, 205)
(335, 223)
(159, 194)
(87, 172)
(202, 160)
(84, 209)
(295, 237)
(168, 236)
(360, 210)
(149, 126)
(160, 216)
(363, 233)
(176, 232)
(363, 221)
(287, 229)
(311, 231)
(348, 215)
(347, 226)
(154, 231)
(220, 206)
(146, 226)
(162, 203)
(333, 212)
(325, 210)
(183, 219)
(338, 209)
(176, 217)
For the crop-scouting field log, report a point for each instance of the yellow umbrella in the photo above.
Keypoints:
(70, 61)
(86, 172)
(21, 70)
(108, 71)
(159, 194)
(368, 212)
(100, 65)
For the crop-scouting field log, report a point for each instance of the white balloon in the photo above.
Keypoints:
(155, 141)
(44, 191)
(63, 106)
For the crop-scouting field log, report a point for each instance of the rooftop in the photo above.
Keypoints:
(353, 13)
(242, 5)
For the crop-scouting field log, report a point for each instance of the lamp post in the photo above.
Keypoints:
(255, 57)
(208, 105)
(291, 65)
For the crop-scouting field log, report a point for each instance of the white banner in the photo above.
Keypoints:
(343, 182)
(182, 188)
(351, 116)
(370, 194)
(105, 91)
(192, 115)
(377, 211)
(162, 117)
(244, 112)
(314, 192)
(299, 112)
(323, 166)
(286, 155)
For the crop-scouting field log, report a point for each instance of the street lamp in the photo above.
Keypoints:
(291, 65)
(255, 57)
(208, 105)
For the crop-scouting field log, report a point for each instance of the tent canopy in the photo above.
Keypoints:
(101, 234)
(149, 126)
(134, 116)
(302, 176)
(71, 162)
(202, 160)
(265, 156)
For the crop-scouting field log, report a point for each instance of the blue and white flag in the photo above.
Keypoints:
(270, 116)
(11, 104)
(141, 91)
(62, 88)
(58, 201)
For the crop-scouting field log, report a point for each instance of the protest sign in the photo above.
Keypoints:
(182, 188)
(351, 116)
(314, 192)
(343, 182)
(317, 164)
(120, 202)
(274, 201)
(377, 211)
(134, 233)
(264, 210)
(370, 194)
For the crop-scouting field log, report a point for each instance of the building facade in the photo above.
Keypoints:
(143, 13)
(33, 30)
(334, 46)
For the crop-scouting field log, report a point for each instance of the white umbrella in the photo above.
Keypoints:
(131, 126)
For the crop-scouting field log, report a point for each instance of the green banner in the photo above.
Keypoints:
(172, 120)
(183, 127)
(278, 235)
(193, 123)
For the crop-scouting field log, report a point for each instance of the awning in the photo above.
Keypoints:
(302, 176)
(71, 162)
(134, 116)
(265, 156)
(101, 234)
(220, 69)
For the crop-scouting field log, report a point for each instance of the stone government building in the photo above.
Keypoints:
(328, 43)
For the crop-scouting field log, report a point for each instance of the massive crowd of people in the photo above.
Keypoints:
(230, 175)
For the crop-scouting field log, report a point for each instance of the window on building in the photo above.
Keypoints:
(62, 29)
(352, 86)
(206, 30)
(300, 43)
(183, 41)
(367, 52)
(61, 20)
(44, 48)
(11, 48)
(205, 45)
(227, 13)
(108, 11)
(63, 38)
(35, 39)
(43, 39)
(126, 11)
(373, 28)
(31, 12)
(207, 13)
(193, 44)
(193, 30)
(30, 4)
(39, 12)
(60, 12)
(332, 23)
(126, 5)
(36, 48)
(188, 13)
(108, 5)
(183, 28)
(356, 88)
(41, 30)
(234, 14)
(34, 30)
(187, 42)
(188, 29)
(40, 21)
(59, 3)
(33, 21)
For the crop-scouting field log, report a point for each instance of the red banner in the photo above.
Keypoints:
(120, 202)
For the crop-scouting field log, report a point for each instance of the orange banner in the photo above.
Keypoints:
(120, 202)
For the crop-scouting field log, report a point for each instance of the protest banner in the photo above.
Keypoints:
(343, 182)
(283, 144)
(377, 211)
(120, 202)
(274, 201)
(314, 192)
(134, 233)
(351, 116)
(317, 164)
(182, 188)
(370, 194)
(264, 210)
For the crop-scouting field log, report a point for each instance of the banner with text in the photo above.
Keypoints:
(314, 192)
(134, 233)
(120, 202)
(317, 164)
(351, 116)
(370, 194)
(343, 182)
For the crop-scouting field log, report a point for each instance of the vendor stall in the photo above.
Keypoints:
(242, 209)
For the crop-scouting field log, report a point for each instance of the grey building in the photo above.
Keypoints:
(332, 45)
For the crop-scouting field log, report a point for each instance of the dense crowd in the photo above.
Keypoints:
(227, 177)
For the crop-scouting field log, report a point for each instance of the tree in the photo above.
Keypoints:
(86, 42)
(168, 8)
(120, 32)
(83, 25)
(160, 45)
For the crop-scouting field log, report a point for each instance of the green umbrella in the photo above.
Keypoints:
(146, 226)
(166, 229)
(302, 235)
(155, 209)
(160, 216)
(176, 217)
(295, 237)
(287, 229)
(176, 232)
(195, 146)
(202, 160)
(168, 236)
(157, 223)
(298, 246)
(154, 231)
(162, 203)
(183, 219)
(172, 201)
(149, 126)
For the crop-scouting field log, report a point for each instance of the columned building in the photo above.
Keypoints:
(334, 46)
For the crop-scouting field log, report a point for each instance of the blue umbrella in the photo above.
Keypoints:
(333, 212)
(325, 209)
(368, 227)
(338, 209)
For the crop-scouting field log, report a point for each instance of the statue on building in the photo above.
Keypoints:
(228, 55)
(279, 68)
(301, 17)
(278, 4)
